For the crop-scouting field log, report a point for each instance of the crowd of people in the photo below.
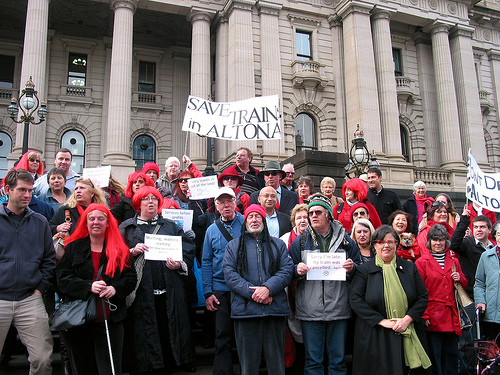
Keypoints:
(395, 309)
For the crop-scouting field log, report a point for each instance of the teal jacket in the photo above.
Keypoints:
(487, 285)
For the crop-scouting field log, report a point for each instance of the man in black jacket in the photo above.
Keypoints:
(27, 264)
(385, 201)
(469, 250)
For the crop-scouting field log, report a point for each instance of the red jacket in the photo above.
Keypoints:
(424, 231)
(442, 308)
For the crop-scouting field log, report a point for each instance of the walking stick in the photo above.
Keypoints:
(107, 336)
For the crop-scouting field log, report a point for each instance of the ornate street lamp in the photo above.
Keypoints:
(28, 103)
(359, 156)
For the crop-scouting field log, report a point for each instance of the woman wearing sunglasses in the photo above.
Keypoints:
(436, 214)
(389, 298)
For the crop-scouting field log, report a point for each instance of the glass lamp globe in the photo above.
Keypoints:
(28, 102)
(360, 155)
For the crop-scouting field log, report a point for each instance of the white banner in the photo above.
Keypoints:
(99, 174)
(326, 266)
(482, 188)
(256, 118)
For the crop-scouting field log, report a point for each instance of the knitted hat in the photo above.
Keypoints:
(151, 166)
(255, 208)
(319, 199)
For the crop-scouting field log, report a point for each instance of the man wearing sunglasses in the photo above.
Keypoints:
(273, 174)
(323, 305)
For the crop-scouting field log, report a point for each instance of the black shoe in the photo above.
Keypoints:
(188, 367)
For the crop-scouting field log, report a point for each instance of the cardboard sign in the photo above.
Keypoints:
(203, 187)
(183, 218)
(326, 266)
(482, 188)
(99, 174)
(161, 247)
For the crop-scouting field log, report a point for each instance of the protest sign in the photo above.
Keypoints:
(326, 266)
(183, 218)
(203, 187)
(161, 247)
(99, 174)
(482, 188)
(251, 119)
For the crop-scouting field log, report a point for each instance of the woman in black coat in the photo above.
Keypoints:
(124, 209)
(95, 245)
(378, 340)
(157, 331)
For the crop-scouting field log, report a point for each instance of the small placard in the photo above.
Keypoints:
(99, 174)
(203, 187)
(161, 247)
(183, 218)
(326, 266)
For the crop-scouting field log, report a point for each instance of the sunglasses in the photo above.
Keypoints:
(273, 173)
(183, 180)
(438, 203)
(232, 178)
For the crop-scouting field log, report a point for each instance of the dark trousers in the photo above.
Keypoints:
(88, 348)
(443, 352)
(468, 359)
(257, 335)
(224, 335)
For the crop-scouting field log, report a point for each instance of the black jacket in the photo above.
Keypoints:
(123, 210)
(59, 218)
(385, 202)
(374, 344)
(287, 202)
(75, 275)
(410, 206)
(142, 340)
(468, 252)
(284, 223)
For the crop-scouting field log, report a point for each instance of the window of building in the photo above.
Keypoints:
(7, 64)
(75, 142)
(405, 142)
(144, 151)
(5, 150)
(77, 69)
(147, 76)
(305, 133)
(304, 50)
(398, 65)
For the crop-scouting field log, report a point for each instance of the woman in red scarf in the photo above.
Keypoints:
(354, 191)
(95, 243)
(417, 204)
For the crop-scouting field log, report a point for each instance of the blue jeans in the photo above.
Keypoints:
(316, 335)
(443, 352)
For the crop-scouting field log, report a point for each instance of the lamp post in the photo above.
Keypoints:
(359, 156)
(28, 103)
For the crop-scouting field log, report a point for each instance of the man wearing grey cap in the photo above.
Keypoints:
(217, 294)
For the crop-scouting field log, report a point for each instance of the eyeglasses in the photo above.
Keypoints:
(273, 173)
(438, 203)
(316, 212)
(232, 178)
(223, 203)
(361, 213)
(149, 199)
(183, 180)
(383, 243)
(290, 173)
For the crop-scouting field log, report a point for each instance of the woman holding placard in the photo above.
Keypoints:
(157, 330)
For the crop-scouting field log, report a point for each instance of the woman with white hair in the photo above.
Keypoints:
(327, 187)
(417, 204)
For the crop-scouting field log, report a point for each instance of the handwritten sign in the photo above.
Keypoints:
(183, 218)
(99, 174)
(203, 187)
(255, 118)
(482, 188)
(161, 247)
(326, 266)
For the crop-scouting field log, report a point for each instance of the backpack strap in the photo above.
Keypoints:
(223, 230)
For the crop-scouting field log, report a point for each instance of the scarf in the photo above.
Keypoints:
(396, 305)
(293, 235)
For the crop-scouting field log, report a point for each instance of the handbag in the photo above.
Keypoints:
(76, 312)
(139, 262)
(462, 300)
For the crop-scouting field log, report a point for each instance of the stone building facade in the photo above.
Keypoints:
(421, 77)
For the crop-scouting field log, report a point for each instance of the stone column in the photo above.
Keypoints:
(270, 63)
(240, 59)
(362, 106)
(494, 60)
(451, 150)
(120, 91)
(222, 149)
(34, 65)
(200, 77)
(427, 83)
(180, 93)
(387, 93)
(338, 73)
(469, 107)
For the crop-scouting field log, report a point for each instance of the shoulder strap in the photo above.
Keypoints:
(223, 230)
(157, 228)
(339, 208)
